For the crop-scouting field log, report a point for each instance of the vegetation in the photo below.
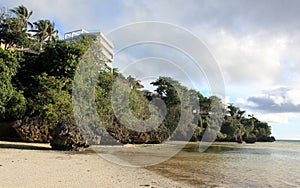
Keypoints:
(38, 84)
(15, 32)
(12, 103)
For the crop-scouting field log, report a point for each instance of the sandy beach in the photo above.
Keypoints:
(36, 165)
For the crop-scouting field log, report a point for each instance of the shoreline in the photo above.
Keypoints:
(36, 165)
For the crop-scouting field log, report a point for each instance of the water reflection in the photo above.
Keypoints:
(236, 165)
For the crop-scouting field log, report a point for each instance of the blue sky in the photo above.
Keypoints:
(255, 43)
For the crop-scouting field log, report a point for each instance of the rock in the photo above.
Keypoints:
(107, 139)
(272, 139)
(124, 135)
(8, 133)
(33, 130)
(250, 140)
(66, 136)
(266, 139)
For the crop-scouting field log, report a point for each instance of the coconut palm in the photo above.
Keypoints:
(133, 83)
(44, 30)
(23, 14)
(52, 32)
(12, 31)
(40, 30)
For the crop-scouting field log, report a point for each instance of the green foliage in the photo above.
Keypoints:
(231, 128)
(23, 14)
(52, 102)
(47, 80)
(84, 41)
(12, 32)
(139, 105)
(236, 126)
(205, 103)
(167, 89)
(12, 102)
(60, 59)
(180, 103)
(254, 127)
(235, 112)
(44, 30)
(103, 93)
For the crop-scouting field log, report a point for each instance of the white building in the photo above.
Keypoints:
(105, 45)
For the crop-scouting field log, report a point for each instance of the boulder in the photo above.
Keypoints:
(250, 139)
(33, 130)
(271, 139)
(66, 136)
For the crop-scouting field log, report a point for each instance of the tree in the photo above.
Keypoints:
(52, 32)
(3, 25)
(58, 62)
(133, 83)
(12, 101)
(167, 89)
(256, 128)
(44, 30)
(205, 104)
(23, 14)
(12, 33)
(235, 112)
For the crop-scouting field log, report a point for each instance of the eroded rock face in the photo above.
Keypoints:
(66, 136)
(125, 135)
(33, 130)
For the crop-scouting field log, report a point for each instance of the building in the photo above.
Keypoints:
(106, 47)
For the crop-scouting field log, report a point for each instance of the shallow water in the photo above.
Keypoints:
(236, 165)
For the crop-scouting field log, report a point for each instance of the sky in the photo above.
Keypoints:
(255, 46)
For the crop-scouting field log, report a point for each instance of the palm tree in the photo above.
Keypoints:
(23, 14)
(52, 31)
(133, 83)
(44, 30)
(138, 85)
(12, 31)
(41, 31)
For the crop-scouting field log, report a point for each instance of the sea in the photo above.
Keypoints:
(224, 164)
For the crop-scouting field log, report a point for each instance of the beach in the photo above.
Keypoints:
(221, 165)
(36, 165)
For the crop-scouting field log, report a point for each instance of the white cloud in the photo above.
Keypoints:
(249, 59)
(294, 96)
(282, 118)
(279, 100)
(244, 103)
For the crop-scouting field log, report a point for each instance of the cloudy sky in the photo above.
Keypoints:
(255, 45)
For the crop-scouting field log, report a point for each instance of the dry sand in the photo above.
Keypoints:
(35, 165)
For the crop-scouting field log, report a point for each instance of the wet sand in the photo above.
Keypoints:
(36, 165)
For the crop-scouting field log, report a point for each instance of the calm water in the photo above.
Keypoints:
(236, 165)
